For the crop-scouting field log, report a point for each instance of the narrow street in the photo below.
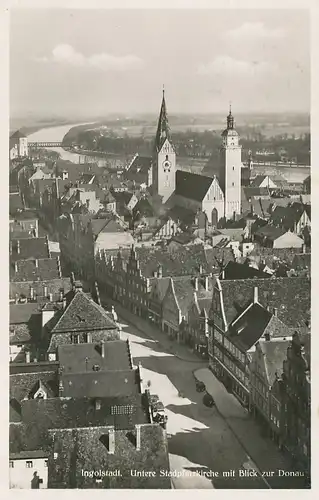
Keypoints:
(199, 438)
(223, 441)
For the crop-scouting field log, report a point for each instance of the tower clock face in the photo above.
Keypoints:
(167, 166)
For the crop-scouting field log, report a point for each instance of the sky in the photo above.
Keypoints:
(94, 62)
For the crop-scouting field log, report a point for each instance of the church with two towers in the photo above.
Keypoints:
(218, 196)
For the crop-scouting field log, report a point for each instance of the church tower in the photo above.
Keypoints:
(230, 169)
(164, 161)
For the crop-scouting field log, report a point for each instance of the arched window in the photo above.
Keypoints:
(214, 217)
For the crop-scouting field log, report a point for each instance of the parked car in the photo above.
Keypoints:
(200, 386)
(208, 400)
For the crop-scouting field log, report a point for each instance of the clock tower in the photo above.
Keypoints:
(164, 163)
(230, 169)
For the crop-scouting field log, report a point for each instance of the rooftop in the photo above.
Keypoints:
(29, 248)
(34, 270)
(290, 296)
(192, 186)
(83, 357)
(83, 314)
(100, 384)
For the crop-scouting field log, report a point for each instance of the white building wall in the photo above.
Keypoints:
(20, 476)
(166, 175)
(267, 182)
(106, 241)
(14, 350)
(214, 199)
(288, 240)
(23, 146)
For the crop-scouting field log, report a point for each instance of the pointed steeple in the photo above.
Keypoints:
(163, 130)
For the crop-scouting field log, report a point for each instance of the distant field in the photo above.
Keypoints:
(149, 131)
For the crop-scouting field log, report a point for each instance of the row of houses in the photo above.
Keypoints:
(78, 402)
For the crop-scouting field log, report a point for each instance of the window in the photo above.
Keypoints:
(11, 464)
(233, 168)
(233, 184)
(29, 464)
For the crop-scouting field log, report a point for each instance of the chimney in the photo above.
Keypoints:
(200, 269)
(36, 263)
(196, 284)
(61, 294)
(61, 388)
(16, 267)
(206, 283)
(64, 303)
(275, 311)
(303, 248)
(160, 271)
(97, 404)
(89, 338)
(51, 297)
(111, 440)
(255, 294)
(138, 437)
(18, 246)
(27, 356)
(31, 292)
(78, 287)
(45, 290)
(103, 348)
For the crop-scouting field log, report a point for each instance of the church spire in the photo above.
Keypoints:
(163, 130)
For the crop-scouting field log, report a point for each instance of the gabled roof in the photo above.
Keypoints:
(192, 186)
(235, 270)
(275, 352)
(144, 208)
(17, 135)
(256, 181)
(184, 289)
(77, 358)
(139, 169)
(24, 385)
(291, 296)
(255, 322)
(270, 232)
(21, 313)
(110, 225)
(255, 192)
(289, 215)
(83, 314)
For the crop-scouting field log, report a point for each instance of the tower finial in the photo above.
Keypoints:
(230, 118)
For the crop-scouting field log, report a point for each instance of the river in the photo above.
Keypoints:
(56, 134)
